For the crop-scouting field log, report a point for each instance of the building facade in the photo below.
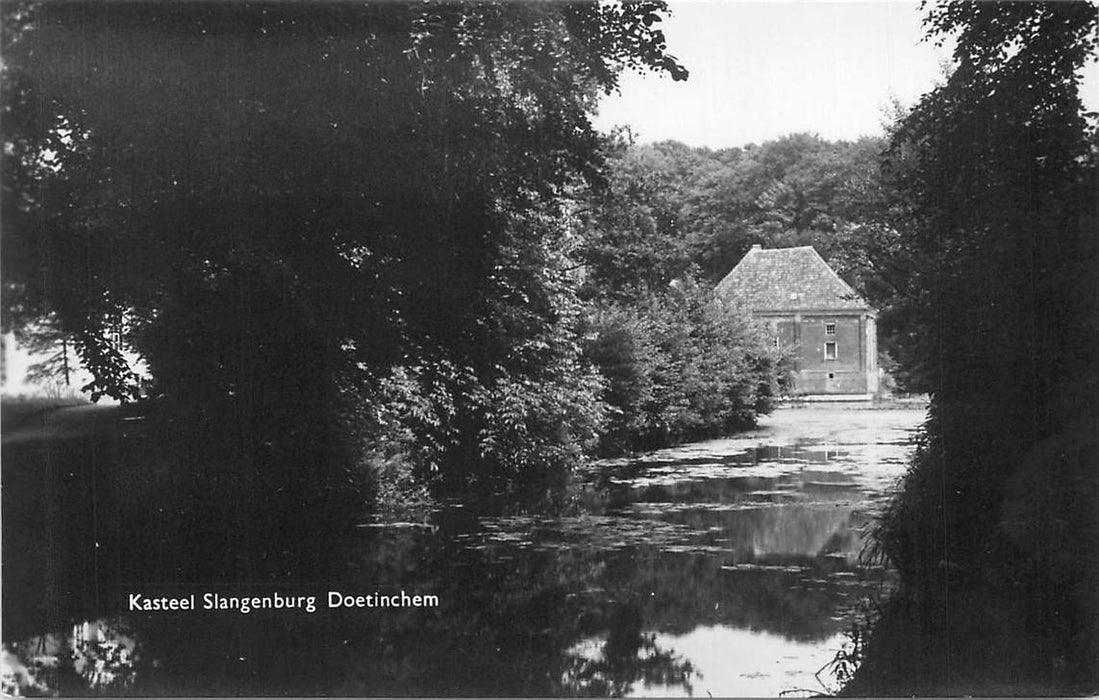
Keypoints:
(829, 329)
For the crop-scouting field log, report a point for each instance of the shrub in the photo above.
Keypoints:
(680, 366)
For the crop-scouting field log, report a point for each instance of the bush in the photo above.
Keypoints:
(680, 366)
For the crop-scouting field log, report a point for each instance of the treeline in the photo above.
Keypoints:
(682, 207)
(675, 210)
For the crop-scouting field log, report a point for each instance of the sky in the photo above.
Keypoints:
(760, 70)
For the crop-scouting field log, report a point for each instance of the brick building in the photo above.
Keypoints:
(809, 309)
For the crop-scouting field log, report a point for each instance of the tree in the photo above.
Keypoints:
(680, 366)
(277, 205)
(670, 207)
(636, 240)
(997, 176)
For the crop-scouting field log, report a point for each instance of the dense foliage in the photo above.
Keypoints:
(678, 363)
(707, 208)
(315, 221)
(675, 211)
(681, 365)
(995, 530)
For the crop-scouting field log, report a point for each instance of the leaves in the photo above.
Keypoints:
(995, 180)
(680, 366)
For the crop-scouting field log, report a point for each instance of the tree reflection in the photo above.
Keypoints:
(98, 657)
(627, 657)
(535, 604)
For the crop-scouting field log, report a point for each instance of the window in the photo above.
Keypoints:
(829, 329)
(829, 351)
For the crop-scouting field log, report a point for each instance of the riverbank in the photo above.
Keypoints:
(994, 543)
(859, 402)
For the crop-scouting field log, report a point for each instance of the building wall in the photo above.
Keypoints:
(836, 353)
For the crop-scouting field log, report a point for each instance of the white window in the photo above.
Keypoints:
(829, 329)
(829, 351)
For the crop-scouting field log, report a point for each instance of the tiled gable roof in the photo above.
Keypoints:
(788, 279)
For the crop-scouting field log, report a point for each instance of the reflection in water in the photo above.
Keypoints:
(615, 666)
(103, 655)
(98, 656)
(757, 664)
(728, 567)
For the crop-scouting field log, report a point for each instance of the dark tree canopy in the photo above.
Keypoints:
(997, 169)
(341, 151)
(277, 204)
(995, 174)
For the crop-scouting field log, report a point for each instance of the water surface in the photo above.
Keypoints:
(725, 568)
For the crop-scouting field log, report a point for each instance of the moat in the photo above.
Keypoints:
(729, 567)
